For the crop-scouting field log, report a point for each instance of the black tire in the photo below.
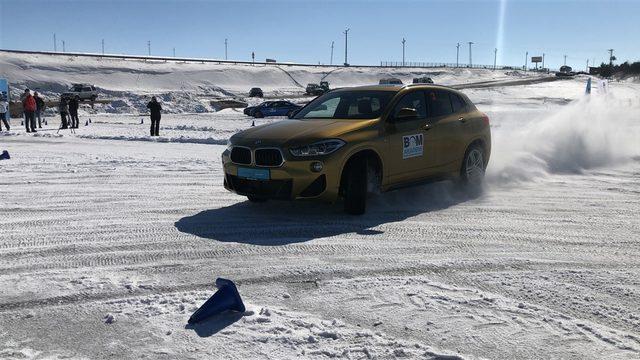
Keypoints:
(258, 114)
(355, 188)
(256, 199)
(93, 98)
(473, 167)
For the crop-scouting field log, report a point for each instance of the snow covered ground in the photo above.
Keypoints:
(110, 239)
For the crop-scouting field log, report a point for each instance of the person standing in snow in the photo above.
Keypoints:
(155, 108)
(64, 110)
(4, 109)
(73, 112)
(29, 106)
(39, 108)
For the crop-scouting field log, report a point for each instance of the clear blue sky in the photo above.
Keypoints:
(303, 30)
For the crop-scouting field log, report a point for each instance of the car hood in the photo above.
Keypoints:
(295, 132)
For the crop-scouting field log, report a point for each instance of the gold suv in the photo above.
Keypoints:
(352, 141)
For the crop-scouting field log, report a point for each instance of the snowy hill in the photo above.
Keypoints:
(190, 86)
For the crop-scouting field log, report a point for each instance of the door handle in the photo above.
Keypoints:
(462, 120)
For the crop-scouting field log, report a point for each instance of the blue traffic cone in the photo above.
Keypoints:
(86, 123)
(89, 120)
(21, 122)
(226, 298)
(141, 121)
(5, 155)
(46, 123)
(253, 123)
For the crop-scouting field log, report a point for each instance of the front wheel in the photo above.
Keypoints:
(473, 168)
(355, 188)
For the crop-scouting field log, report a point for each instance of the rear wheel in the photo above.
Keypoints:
(355, 188)
(256, 199)
(258, 114)
(472, 172)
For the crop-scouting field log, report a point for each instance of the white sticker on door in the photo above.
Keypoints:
(412, 146)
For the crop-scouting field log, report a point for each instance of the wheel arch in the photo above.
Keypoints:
(368, 154)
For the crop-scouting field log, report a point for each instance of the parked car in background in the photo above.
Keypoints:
(255, 92)
(565, 71)
(390, 81)
(317, 89)
(81, 92)
(272, 108)
(423, 80)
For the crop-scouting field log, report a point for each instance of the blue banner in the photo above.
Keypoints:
(4, 96)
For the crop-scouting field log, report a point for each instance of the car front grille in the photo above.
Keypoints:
(241, 155)
(268, 157)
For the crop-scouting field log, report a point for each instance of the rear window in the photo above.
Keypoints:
(438, 103)
(457, 102)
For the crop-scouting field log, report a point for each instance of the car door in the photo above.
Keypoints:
(285, 108)
(445, 136)
(406, 158)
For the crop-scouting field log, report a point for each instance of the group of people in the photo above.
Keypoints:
(33, 106)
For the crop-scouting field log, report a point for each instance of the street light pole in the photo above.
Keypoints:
(149, 47)
(457, 53)
(526, 60)
(331, 62)
(403, 42)
(470, 59)
(346, 35)
(495, 56)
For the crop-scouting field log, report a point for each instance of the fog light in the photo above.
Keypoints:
(316, 166)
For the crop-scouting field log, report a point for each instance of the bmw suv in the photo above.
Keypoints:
(350, 141)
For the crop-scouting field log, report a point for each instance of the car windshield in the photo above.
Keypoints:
(357, 104)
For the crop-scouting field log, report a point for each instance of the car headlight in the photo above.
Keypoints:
(324, 147)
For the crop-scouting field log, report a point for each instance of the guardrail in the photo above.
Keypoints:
(445, 65)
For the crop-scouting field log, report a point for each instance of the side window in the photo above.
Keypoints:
(438, 103)
(457, 103)
(414, 100)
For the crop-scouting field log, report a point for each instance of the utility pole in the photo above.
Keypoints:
(174, 52)
(331, 62)
(611, 57)
(346, 37)
(102, 46)
(543, 60)
(457, 53)
(225, 49)
(63, 46)
(55, 43)
(149, 47)
(470, 60)
(403, 42)
(253, 57)
(587, 65)
(565, 60)
(495, 56)
(526, 60)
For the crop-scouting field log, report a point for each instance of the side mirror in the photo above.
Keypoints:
(406, 113)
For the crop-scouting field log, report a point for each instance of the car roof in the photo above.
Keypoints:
(396, 87)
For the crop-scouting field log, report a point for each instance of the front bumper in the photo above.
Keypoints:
(293, 180)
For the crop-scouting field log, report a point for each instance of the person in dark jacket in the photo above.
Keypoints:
(39, 108)
(29, 106)
(155, 108)
(64, 110)
(73, 113)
